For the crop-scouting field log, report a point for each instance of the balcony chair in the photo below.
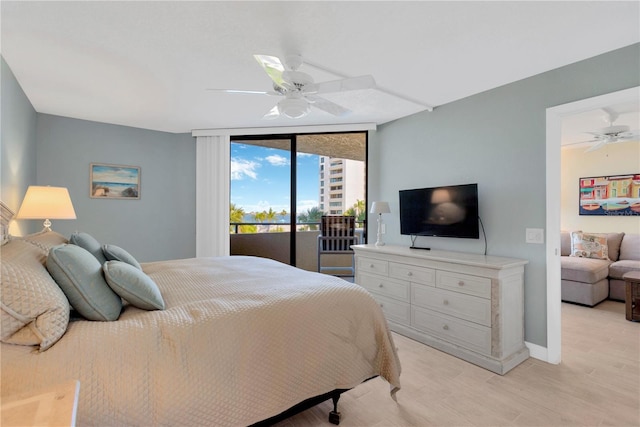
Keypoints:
(337, 234)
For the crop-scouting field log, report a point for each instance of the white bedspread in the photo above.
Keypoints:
(242, 339)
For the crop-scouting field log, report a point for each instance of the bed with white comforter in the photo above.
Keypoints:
(240, 340)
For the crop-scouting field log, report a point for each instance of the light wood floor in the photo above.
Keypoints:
(597, 383)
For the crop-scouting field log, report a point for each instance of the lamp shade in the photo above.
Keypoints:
(46, 203)
(380, 208)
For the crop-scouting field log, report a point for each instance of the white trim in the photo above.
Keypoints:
(555, 115)
(353, 127)
(537, 351)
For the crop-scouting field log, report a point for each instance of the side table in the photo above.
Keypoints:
(55, 406)
(632, 295)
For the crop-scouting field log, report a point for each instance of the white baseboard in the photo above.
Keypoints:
(537, 351)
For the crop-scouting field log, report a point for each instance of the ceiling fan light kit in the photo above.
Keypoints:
(294, 108)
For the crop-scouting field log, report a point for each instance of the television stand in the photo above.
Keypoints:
(468, 305)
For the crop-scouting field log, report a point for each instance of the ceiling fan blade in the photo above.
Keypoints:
(274, 113)
(597, 145)
(241, 91)
(352, 83)
(272, 66)
(326, 105)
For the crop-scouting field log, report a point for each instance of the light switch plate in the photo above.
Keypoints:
(535, 235)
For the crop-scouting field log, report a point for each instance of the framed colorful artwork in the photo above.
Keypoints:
(114, 181)
(613, 195)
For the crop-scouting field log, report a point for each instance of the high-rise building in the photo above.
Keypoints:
(341, 184)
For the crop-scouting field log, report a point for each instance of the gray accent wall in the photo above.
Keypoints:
(496, 139)
(18, 141)
(158, 226)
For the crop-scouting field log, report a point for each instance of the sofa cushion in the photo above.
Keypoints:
(589, 245)
(618, 268)
(613, 244)
(565, 243)
(586, 270)
(630, 247)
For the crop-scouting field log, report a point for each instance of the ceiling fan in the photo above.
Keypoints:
(299, 90)
(612, 133)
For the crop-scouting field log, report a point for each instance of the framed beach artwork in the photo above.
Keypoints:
(114, 181)
(615, 195)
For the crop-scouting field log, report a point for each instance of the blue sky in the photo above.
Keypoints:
(260, 179)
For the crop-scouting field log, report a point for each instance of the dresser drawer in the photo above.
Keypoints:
(412, 273)
(466, 334)
(385, 286)
(372, 265)
(467, 284)
(455, 304)
(396, 311)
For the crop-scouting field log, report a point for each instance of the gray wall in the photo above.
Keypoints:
(18, 155)
(161, 224)
(496, 139)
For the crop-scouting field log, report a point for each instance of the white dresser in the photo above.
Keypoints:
(468, 305)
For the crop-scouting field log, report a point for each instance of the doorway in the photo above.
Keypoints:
(554, 118)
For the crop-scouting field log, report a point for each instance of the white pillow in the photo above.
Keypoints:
(34, 310)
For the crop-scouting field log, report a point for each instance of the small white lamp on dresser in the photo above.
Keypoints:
(380, 208)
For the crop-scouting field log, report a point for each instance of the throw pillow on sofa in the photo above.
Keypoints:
(589, 245)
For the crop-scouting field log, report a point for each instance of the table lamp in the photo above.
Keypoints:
(380, 208)
(46, 203)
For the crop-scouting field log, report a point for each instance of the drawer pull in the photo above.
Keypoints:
(445, 302)
(381, 285)
(381, 305)
(409, 274)
(460, 283)
(445, 327)
(372, 266)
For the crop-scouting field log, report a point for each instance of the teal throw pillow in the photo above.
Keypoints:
(79, 275)
(116, 253)
(133, 285)
(88, 242)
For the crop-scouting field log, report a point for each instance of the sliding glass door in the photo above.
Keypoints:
(282, 184)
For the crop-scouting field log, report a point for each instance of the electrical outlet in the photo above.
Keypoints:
(535, 235)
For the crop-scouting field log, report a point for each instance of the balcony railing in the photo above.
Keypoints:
(271, 227)
(272, 240)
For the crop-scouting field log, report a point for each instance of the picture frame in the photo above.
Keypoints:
(613, 195)
(108, 181)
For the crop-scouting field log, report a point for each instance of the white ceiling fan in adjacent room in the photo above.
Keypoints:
(299, 90)
(613, 133)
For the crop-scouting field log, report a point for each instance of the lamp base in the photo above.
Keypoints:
(47, 225)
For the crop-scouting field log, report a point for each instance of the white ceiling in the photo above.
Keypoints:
(148, 64)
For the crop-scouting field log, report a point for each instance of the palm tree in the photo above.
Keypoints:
(312, 215)
(236, 215)
(358, 210)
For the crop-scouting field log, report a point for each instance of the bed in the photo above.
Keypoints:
(240, 340)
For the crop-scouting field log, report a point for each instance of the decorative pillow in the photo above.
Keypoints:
(589, 245)
(79, 275)
(34, 310)
(45, 239)
(116, 253)
(88, 242)
(133, 285)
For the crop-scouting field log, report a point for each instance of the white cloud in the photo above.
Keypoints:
(304, 205)
(277, 160)
(241, 168)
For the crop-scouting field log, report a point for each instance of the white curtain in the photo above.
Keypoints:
(212, 195)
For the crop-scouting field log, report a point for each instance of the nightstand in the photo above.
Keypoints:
(632, 295)
(54, 406)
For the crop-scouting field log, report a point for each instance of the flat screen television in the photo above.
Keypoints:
(448, 211)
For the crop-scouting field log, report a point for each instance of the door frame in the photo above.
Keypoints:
(554, 118)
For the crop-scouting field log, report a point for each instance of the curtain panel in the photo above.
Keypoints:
(212, 195)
